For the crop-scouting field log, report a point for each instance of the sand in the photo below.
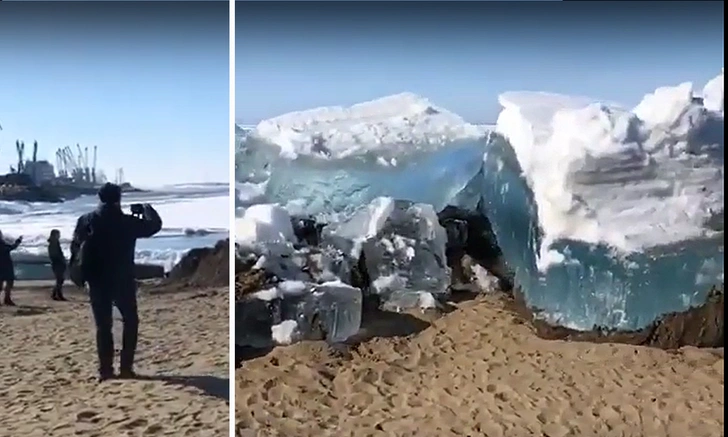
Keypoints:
(48, 368)
(479, 371)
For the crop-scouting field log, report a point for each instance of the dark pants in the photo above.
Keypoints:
(59, 271)
(103, 299)
(7, 280)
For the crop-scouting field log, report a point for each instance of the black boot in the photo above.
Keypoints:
(127, 373)
(105, 375)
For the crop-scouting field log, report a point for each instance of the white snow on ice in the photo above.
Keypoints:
(285, 333)
(263, 223)
(713, 94)
(386, 125)
(632, 180)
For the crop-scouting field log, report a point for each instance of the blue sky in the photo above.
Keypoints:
(463, 58)
(146, 82)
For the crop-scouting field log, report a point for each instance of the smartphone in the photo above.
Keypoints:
(137, 208)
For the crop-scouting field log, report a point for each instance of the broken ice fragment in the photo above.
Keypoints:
(402, 244)
(330, 311)
(403, 300)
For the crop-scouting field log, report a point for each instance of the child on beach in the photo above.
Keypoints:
(7, 269)
(58, 263)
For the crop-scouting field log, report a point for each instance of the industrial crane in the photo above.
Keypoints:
(93, 171)
(20, 147)
(60, 167)
(35, 161)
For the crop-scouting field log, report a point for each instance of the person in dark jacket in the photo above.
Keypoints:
(58, 263)
(110, 272)
(7, 269)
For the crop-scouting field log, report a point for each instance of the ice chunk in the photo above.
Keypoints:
(403, 245)
(264, 224)
(306, 292)
(485, 280)
(401, 147)
(341, 186)
(594, 181)
(285, 332)
(255, 317)
(248, 193)
(713, 94)
(389, 124)
(303, 264)
(340, 307)
(330, 311)
(399, 301)
(618, 203)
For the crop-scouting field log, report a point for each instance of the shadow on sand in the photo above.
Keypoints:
(245, 353)
(376, 323)
(209, 385)
(26, 310)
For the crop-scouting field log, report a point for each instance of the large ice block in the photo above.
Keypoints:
(332, 160)
(617, 217)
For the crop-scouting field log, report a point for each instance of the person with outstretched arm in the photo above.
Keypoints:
(7, 269)
(103, 250)
(58, 264)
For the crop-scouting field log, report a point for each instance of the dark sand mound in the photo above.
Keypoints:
(249, 282)
(701, 326)
(203, 267)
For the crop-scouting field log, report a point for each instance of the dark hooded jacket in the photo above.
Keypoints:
(6, 263)
(55, 254)
(115, 235)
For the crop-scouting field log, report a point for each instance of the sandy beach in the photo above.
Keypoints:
(48, 367)
(479, 371)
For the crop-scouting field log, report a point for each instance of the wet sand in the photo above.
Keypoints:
(479, 371)
(48, 367)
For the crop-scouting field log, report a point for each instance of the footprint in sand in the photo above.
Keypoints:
(88, 416)
(136, 423)
(153, 429)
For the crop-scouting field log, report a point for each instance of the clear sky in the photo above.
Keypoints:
(145, 82)
(462, 56)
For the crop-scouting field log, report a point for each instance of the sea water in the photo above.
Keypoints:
(193, 215)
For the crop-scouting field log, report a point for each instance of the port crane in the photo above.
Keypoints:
(20, 148)
(69, 166)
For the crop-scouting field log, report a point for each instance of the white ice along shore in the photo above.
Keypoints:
(608, 216)
(391, 125)
(632, 180)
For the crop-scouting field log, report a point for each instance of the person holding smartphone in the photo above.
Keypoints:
(103, 243)
(7, 268)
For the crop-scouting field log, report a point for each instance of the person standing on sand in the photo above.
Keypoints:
(104, 241)
(7, 269)
(58, 263)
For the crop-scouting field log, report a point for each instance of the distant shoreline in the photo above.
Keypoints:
(18, 188)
